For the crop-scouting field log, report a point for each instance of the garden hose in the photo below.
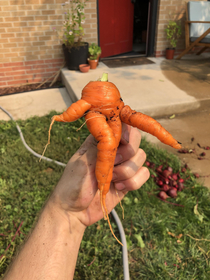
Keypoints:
(116, 217)
(25, 144)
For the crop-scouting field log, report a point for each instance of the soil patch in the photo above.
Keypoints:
(29, 87)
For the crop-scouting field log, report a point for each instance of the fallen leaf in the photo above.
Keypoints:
(140, 240)
(179, 236)
(200, 217)
(172, 234)
(48, 170)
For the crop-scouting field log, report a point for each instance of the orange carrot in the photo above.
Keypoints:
(104, 112)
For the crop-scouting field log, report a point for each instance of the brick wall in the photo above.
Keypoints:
(170, 10)
(30, 50)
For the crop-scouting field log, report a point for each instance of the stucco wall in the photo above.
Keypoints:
(170, 10)
(30, 50)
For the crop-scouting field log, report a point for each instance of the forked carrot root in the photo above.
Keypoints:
(104, 111)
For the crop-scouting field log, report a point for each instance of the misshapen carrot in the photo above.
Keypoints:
(104, 111)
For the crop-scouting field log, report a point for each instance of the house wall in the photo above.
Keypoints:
(30, 50)
(170, 10)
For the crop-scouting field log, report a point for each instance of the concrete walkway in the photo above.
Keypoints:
(34, 103)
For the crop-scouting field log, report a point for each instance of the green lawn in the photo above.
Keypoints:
(164, 241)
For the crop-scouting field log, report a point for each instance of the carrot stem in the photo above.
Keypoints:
(104, 77)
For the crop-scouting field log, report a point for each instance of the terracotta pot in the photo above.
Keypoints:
(84, 68)
(170, 53)
(93, 63)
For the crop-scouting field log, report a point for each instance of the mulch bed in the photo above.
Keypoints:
(29, 87)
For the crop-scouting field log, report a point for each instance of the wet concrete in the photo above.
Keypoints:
(183, 128)
(191, 76)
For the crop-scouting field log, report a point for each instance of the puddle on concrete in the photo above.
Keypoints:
(191, 76)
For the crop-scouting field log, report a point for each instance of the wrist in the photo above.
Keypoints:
(64, 218)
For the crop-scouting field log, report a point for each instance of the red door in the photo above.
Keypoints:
(115, 26)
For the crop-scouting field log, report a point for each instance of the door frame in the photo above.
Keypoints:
(152, 27)
(152, 22)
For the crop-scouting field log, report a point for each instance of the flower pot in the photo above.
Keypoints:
(84, 68)
(75, 56)
(93, 63)
(170, 53)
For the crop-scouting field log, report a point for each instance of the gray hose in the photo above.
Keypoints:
(116, 217)
(124, 248)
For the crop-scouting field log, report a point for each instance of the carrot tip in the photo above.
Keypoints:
(106, 217)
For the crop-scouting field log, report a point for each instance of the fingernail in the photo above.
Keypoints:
(126, 136)
(118, 158)
(119, 186)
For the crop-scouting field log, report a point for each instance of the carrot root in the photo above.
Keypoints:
(48, 142)
(108, 220)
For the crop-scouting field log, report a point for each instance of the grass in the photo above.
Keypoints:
(164, 241)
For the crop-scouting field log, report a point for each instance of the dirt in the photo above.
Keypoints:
(29, 87)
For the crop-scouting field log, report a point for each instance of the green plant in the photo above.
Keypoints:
(72, 31)
(173, 32)
(94, 50)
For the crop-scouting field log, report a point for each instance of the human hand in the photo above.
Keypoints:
(77, 192)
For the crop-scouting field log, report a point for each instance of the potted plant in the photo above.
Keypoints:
(94, 52)
(173, 32)
(71, 35)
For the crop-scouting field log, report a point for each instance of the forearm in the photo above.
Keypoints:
(52, 249)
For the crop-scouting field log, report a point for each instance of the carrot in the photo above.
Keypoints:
(104, 112)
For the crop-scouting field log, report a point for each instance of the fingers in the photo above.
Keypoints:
(130, 175)
(135, 182)
(129, 168)
(128, 149)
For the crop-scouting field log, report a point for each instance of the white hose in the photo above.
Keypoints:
(114, 213)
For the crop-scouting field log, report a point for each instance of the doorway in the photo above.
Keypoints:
(140, 27)
(140, 16)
